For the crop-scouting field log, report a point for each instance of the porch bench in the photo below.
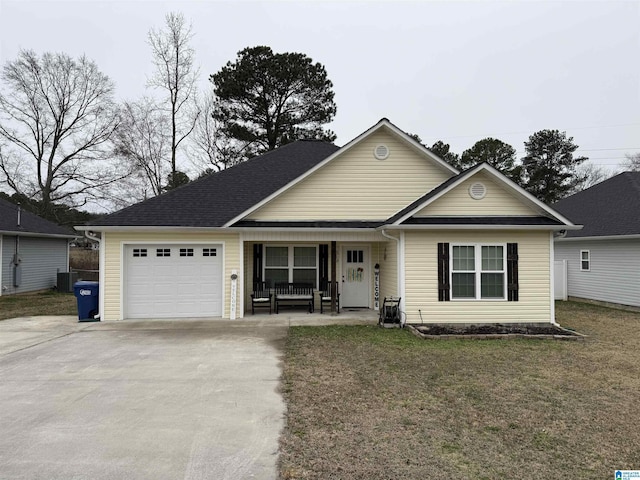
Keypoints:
(293, 294)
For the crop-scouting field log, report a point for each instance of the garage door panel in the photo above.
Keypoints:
(182, 282)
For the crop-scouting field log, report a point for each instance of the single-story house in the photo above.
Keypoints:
(33, 250)
(603, 259)
(381, 216)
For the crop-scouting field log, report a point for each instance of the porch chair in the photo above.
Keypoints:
(325, 296)
(261, 297)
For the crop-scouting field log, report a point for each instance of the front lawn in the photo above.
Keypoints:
(370, 403)
(42, 303)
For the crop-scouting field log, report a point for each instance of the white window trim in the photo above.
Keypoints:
(290, 266)
(478, 271)
(588, 260)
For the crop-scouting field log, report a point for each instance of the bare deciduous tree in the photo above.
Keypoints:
(212, 151)
(632, 163)
(143, 142)
(175, 72)
(589, 174)
(57, 116)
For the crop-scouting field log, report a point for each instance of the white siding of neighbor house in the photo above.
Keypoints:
(421, 273)
(113, 268)
(357, 186)
(42, 259)
(497, 201)
(614, 275)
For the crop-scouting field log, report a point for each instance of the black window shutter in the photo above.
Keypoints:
(257, 263)
(444, 294)
(512, 272)
(323, 274)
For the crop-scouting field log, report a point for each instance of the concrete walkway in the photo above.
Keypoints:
(139, 400)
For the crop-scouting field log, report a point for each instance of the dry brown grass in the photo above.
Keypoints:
(81, 259)
(85, 262)
(369, 403)
(42, 303)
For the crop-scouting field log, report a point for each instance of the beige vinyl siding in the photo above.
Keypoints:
(113, 257)
(421, 273)
(388, 259)
(357, 186)
(497, 201)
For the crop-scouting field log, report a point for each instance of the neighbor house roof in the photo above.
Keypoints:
(609, 208)
(217, 198)
(30, 224)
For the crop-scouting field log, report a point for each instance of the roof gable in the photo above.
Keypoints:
(523, 202)
(609, 208)
(385, 127)
(356, 185)
(30, 223)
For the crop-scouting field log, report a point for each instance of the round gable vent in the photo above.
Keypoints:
(477, 191)
(381, 152)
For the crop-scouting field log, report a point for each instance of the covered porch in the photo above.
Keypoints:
(363, 265)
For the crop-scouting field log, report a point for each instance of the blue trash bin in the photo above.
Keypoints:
(87, 296)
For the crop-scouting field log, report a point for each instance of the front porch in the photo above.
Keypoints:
(363, 265)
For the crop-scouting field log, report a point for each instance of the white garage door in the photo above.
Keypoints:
(173, 281)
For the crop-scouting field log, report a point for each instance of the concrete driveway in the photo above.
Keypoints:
(139, 400)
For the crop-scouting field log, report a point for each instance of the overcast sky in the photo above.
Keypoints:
(451, 71)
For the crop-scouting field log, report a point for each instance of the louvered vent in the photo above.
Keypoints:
(381, 152)
(477, 191)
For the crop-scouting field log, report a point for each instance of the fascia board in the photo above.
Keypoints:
(481, 227)
(301, 229)
(384, 123)
(129, 228)
(13, 233)
(599, 238)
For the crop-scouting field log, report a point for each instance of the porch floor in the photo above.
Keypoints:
(299, 317)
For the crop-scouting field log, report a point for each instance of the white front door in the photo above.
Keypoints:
(356, 276)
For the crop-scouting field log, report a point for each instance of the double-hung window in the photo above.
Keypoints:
(478, 272)
(291, 263)
(585, 260)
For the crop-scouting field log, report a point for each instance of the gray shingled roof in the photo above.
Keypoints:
(29, 222)
(217, 198)
(608, 208)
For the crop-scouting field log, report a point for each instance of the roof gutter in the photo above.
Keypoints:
(35, 234)
(602, 237)
(481, 226)
(146, 228)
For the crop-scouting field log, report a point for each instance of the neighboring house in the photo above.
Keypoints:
(457, 247)
(603, 259)
(33, 250)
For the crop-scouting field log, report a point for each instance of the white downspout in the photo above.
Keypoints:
(400, 262)
(101, 282)
(242, 272)
(552, 279)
